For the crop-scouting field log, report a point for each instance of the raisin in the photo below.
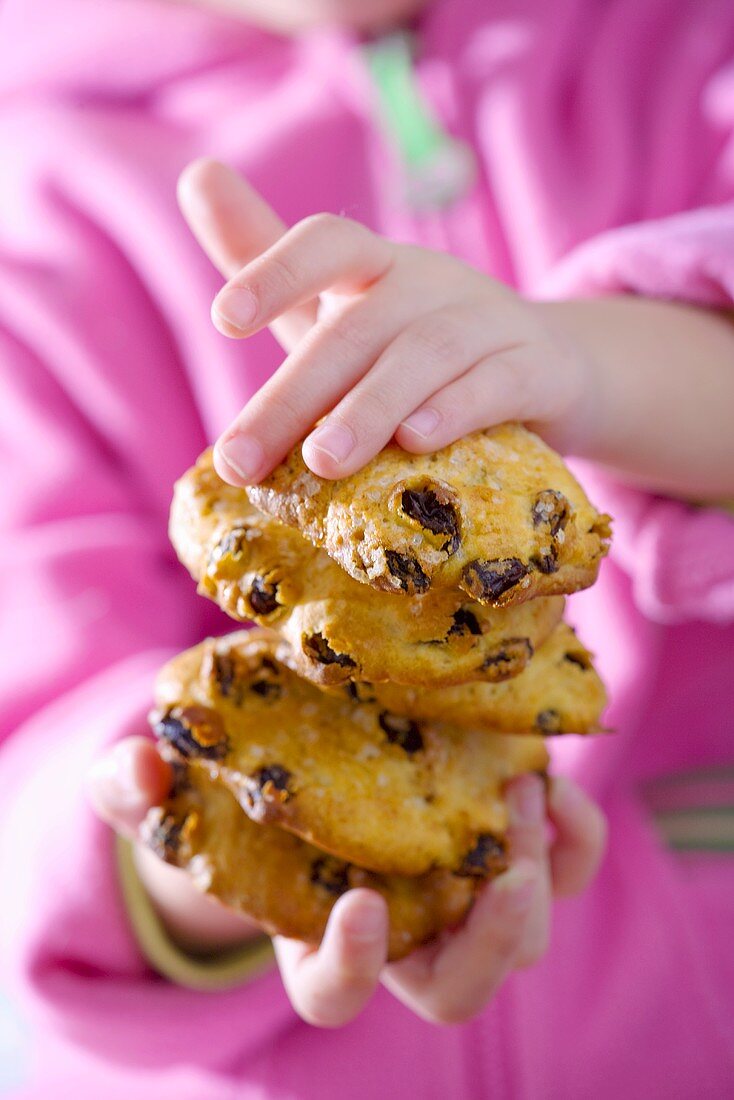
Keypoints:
(552, 509)
(224, 670)
(330, 874)
(401, 731)
(266, 790)
(360, 693)
(267, 689)
(231, 544)
(548, 721)
(432, 509)
(452, 545)
(263, 597)
(581, 659)
(230, 672)
(180, 777)
(487, 858)
(164, 838)
(509, 660)
(318, 649)
(488, 580)
(408, 571)
(194, 731)
(546, 560)
(465, 622)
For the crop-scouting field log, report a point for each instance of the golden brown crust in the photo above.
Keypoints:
(338, 630)
(379, 790)
(497, 514)
(559, 692)
(282, 883)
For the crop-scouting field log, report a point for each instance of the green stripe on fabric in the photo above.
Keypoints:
(705, 828)
(415, 131)
(438, 168)
(230, 968)
(696, 775)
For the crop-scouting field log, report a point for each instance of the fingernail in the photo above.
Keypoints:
(237, 306)
(527, 801)
(422, 423)
(333, 440)
(114, 781)
(243, 455)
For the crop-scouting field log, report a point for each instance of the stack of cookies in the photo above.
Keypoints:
(410, 659)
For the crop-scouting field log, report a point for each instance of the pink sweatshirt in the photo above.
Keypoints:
(603, 132)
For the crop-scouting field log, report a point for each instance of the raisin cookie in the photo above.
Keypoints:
(285, 885)
(375, 788)
(496, 514)
(338, 630)
(559, 692)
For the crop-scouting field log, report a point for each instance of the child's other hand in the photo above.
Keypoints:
(445, 982)
(508, 927)
(405, 342)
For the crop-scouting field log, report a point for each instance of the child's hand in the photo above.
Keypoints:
(508, 927)
(393, 340)
(407, 343)
(445, 982)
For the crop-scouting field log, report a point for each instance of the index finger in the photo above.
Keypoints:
(233, 224)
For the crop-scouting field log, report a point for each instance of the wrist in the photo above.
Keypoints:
(659, 391)
(575, 361)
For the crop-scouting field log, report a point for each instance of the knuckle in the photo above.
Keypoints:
(284, 410)
(352, 334)
(322, 224)
(282, 273)
(439, 337)
(371, 407)
(516, 379)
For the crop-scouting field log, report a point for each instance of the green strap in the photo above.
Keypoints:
(229, 968)
(438, 168)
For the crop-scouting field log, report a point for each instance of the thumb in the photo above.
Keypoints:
(124, 783)
(233, 224)
(328, 987)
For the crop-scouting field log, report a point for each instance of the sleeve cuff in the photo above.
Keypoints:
(686, 257)
(680, 557)
(230, 968)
